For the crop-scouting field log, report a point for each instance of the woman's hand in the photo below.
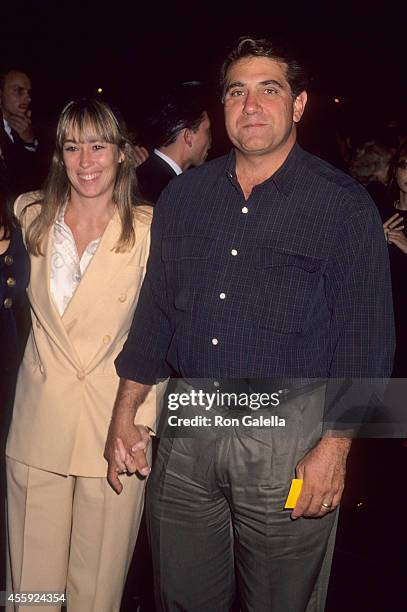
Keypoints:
(395, 222)
(398, 238)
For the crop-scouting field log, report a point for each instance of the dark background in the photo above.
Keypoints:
(355, 52)
(134, 50)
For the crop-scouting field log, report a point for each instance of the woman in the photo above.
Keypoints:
(395, 232)
(14, 275)
(88, 246)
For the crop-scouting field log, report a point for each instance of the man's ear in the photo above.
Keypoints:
(299, 106)
(188, 138)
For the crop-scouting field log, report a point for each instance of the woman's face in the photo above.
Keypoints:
(401, 174)
(91, 165)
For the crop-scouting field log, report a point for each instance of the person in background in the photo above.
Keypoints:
(88, 242)
(370, 166)
(181, 132)
(395, 228)
(14, 276)
(18, 142)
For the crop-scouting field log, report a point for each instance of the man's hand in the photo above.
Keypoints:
(323, 471)
(125, 451)
(126, 443)
(21, 123)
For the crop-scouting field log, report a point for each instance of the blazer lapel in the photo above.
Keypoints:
(43, 304)
(103, 267)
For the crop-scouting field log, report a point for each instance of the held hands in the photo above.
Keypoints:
(323, 472)
(21, 123)
(125, 452)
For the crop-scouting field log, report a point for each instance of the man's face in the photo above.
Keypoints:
(260, 112)
(16, 94)
(201, 142)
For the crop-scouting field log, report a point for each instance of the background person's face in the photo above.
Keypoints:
(401, 174)
(16, 94)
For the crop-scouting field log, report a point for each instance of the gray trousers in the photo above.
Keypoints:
(215, 507)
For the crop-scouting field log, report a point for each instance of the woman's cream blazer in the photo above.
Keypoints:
(67, 382)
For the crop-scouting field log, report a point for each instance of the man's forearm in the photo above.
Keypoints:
(130, 396)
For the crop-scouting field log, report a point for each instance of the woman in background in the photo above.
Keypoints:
(14, 275)
(395, 231)
(88, 245)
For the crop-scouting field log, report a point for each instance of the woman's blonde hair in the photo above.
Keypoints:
(87, 119)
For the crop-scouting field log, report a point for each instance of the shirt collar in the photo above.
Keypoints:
(60, 220)
(169, 161)
(7, 128)
(284, 178)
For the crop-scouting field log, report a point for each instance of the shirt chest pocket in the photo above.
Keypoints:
(188, 267)
(288, 286)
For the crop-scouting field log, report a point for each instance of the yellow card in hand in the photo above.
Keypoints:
(295, 490)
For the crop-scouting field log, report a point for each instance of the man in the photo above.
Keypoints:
(18, 144)
(181, 131)
(264, 264)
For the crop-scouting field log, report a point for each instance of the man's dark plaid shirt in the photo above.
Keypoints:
(293, 282)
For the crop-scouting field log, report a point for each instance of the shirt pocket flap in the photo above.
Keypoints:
(268, 257)
(186, 247)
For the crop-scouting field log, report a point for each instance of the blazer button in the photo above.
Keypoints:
(122, 297)
(42, 369)
(8, 302)
(80, 375)
(37, 323)
(8, 260)
(106, 339)
(11, 282)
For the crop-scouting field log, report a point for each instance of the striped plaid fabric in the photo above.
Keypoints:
(293, 282)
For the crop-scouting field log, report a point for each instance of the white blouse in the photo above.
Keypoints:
(67, 269)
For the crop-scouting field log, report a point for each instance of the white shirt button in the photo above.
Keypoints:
(216, 383)
(245, 210)
(222, 296)
(233, 252)
(215, 341)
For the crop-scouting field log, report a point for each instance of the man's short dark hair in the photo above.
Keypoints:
(181, 108)
(6, 71)
(262, 47)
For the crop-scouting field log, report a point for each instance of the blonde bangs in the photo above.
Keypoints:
(88, 123)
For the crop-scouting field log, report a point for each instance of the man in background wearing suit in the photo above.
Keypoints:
(181, 132)
(18, 144)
